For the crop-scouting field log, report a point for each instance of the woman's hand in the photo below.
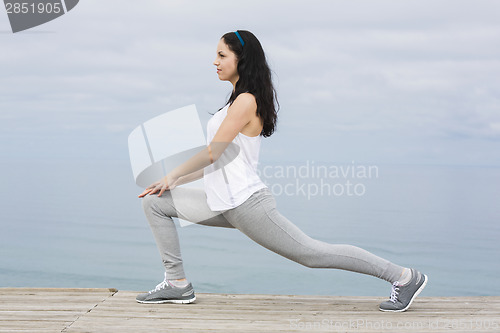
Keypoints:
(166, 183)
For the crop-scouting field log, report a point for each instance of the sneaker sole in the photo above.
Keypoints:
(419, 290)
(176, 301)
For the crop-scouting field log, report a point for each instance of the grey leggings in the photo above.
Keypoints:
(259, 219)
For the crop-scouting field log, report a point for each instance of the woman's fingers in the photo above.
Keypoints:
(146, 191)
(149, 190)
(155, 187)
(163, 189)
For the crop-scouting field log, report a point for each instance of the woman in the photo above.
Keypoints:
(235, 197)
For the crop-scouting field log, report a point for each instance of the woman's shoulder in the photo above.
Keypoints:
(246, 99)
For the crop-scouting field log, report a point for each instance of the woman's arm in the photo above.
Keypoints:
(239, 114)
(190, 178)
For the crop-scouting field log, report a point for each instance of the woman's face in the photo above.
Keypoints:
(226, 63)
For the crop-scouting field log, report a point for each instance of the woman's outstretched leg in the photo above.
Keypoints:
(259, 219)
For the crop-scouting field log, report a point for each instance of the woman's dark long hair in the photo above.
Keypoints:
(254, 77)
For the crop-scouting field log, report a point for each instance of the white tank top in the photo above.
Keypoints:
(229, 184)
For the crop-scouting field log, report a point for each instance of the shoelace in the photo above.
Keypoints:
(161, 285)
(394, 292)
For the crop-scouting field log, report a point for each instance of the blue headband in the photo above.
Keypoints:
(239, 37)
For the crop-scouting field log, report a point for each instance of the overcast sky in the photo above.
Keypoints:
(369, 81)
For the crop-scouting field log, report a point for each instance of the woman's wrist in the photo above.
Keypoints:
(171, 176)
(167, 178)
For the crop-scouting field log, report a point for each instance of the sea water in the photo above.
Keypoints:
(79, 223)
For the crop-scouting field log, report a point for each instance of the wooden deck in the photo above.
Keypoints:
(109, 310)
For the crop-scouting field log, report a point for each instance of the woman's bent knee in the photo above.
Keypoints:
(160, 205)
(147, 202)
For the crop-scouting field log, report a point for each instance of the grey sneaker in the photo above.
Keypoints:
(403, 296)
(165, 293)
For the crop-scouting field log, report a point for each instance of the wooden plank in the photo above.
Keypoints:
(108, 310)
(269, 313)
(43, 310)
(46, 291)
